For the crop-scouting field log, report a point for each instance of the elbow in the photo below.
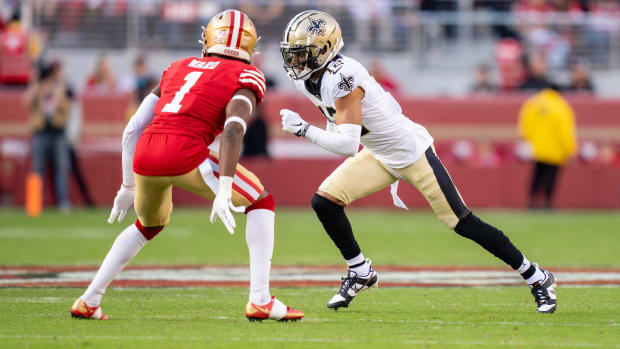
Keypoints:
(350, 149)
(233, 133)
(128, 135)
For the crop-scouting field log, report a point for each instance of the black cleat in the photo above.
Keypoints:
(351, 286)
(544, 294)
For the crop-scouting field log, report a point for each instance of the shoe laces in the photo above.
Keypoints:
(540, 294)
(347, 281)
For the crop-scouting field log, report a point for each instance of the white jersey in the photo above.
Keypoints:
(392, 138)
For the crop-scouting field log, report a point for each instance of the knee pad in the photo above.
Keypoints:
(324, 206)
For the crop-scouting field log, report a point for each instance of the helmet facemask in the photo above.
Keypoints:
(300, 61)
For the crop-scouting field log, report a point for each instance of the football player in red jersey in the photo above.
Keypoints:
(166, 143)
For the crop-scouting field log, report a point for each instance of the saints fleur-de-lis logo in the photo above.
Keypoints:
(346, 82)
(316, 27)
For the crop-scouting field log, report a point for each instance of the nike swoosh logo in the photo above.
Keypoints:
(299, 124)
(264, 309)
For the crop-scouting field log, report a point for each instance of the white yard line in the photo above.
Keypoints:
(209, 339)
(215, 274)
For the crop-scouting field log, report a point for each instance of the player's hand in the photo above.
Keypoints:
(223, 204)
(293, 123)
(122, 203)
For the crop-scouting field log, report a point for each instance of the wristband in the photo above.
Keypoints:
(303, 130)
(225, 184)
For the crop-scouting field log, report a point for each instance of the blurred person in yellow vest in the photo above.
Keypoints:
(547, 122)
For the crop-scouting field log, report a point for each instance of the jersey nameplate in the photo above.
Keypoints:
(203, 65)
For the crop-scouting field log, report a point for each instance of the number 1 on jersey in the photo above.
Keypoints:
(175, 105)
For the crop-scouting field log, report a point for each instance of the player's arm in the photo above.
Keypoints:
(346, 140)
(136, 125)
(133, 130)
(238, 113)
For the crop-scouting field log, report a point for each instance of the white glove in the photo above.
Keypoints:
(122, 203)
(223, 204)
(293, 123)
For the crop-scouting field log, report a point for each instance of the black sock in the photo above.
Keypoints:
(336, 225)
(491, 238)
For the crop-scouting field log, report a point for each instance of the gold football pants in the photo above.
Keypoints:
(363, 175)
(153, 201)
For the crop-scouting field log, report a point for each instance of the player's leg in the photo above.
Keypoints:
(357, 177)
(153, 204)
(536, 185)
(551, 173)
(249, 192)
(430, 177)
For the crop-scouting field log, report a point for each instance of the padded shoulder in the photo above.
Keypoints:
(343, 75)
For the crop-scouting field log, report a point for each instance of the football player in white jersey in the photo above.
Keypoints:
(358, 111)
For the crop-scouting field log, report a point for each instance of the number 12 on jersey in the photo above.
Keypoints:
(175, 105)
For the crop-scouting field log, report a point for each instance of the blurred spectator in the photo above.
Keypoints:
(535, 19)
(483, 83)
(609, 154)
(463, 151)
(547, 122)
(373, 27)
(386, 81)
(179, 16)
(72, 133)
(502, 8)
(256, 138)
(603, 26)
(15, 59)
(49, 101)
(265, 14)
(572, 7)
(487, 155)
(449, 29)
(508, 56)
(580, 77)
(536, 74)
(140, 82)
(101, 81)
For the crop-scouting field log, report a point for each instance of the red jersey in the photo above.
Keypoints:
(195, 92)
(191, 112)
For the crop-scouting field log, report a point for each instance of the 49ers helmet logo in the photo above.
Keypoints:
(316, 27)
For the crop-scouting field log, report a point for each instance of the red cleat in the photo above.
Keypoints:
(81, 310)
(274, 310)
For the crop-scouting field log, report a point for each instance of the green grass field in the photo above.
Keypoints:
(384, 318)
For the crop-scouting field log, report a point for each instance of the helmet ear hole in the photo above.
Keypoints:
(324, 49)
